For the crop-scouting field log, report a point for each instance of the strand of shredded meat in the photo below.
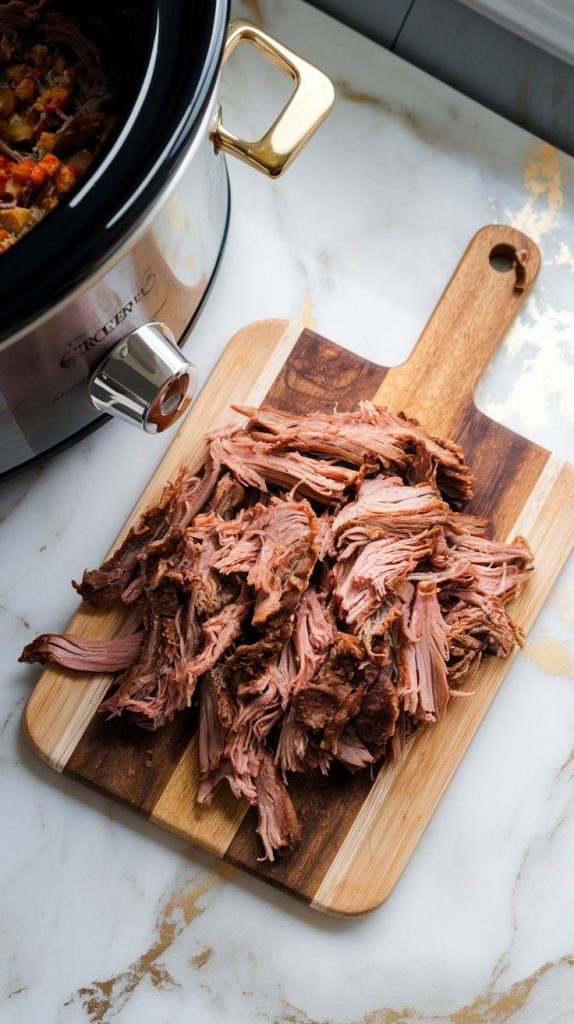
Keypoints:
(314, 587)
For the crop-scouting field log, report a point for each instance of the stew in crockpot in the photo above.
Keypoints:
(56, 110)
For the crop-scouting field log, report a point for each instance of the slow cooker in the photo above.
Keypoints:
(96, 299)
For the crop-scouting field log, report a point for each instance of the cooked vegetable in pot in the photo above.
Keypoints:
(55, 112)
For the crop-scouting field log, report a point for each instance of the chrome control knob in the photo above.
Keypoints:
(145, 379)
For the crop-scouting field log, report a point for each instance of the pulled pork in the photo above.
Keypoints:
(314, 588)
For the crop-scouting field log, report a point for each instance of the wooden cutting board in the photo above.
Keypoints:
(358, 832)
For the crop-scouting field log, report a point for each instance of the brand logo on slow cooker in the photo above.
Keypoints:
(81, 345)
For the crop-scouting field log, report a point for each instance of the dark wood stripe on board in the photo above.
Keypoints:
(326, 807)
(129, 763)
(319, 376)
(506, 467)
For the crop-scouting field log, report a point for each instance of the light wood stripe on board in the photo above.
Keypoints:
(211, 826)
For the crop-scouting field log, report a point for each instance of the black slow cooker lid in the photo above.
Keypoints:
(170, 72)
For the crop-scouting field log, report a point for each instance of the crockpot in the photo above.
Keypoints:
(96, 299)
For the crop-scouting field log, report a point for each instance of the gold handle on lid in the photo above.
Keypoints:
(308, 106)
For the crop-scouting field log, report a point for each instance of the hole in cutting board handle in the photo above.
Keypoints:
(502, 258)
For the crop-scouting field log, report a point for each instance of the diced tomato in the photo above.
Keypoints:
(38, 175)
(26, 90)
(21, 172)
(55, 98)
(65, 179)
(28, 171)
(50, 163)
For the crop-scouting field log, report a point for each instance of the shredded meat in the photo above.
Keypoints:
(351, 751)
(422, 659)
(314, 633)
(160, 683)
(377, 716)
(384, 505)
(85, 655)
(363, 581)
(453, 478)
(314, 589)
(277, 822)
(344, 437)
(258, 464)
(157, 532)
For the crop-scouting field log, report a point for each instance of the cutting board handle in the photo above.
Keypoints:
(480, 302)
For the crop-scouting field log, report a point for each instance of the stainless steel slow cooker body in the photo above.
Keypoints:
(94, 299)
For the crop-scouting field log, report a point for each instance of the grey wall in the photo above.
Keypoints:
(479, 58)
(380, 20)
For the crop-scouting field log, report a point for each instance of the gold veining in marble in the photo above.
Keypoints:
(544, 184)
(562, 600)
(356, 96)
(542, 335)
(16, 992)
(308, 318)
(568, 760)
(499, 1007)
(202, 958)
(564, 257)
(290, 1014)
(489, 1007)
(370, 100)
(11, 713)
(102, 999)
(551, 655)
(255, 9)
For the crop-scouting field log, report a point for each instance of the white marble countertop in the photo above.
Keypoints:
(104, 916)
